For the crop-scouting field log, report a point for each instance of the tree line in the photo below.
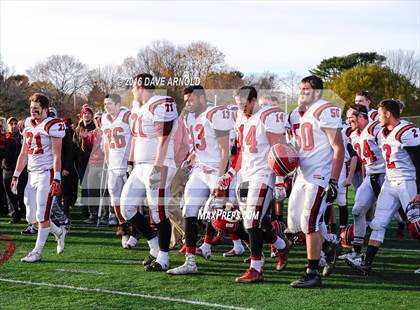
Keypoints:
(69, 83)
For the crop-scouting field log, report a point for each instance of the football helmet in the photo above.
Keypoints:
(347, 236)
(224, 215)
(282, 159)
(413, 216)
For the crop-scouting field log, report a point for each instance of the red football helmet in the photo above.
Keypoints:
(226, 219)
(413, 216)
(283, 159)
(347, 236)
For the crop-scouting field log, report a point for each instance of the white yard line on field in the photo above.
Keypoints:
(105, 291)
(82, 271)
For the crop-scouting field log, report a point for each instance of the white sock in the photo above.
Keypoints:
(154, 246)
(41, 239)
(190, 259)
(279, 243)
(237, 245)
(257, 264)
(206, 247)
(57, 231)
(163, 258)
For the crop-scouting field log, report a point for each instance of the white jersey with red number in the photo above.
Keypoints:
(117, 136)
(38, 138)
(254, 144)
(144, 119)
(316, 153)
(399, 166)
(373, 115)
(293, 124)
(365, 143)
(203, 130)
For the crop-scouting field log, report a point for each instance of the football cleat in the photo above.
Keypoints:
(205, 254)
(250, 276)
(308, 281)
(350, 255)
(32, 257)
(359, 264)
(417, 271)
(60, 240)
(331, 258)
(187, 268)
(156, 267)
(131, 242)
(30, 231)
(232, 252)
(148, 260)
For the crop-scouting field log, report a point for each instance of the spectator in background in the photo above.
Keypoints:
(13, 144)
(3, 201)
(84, 138)
(69, 178)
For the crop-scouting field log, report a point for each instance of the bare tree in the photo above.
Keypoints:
(203, 58)
(108, 78)
(289, 84)
(404, 62)
(65, 73)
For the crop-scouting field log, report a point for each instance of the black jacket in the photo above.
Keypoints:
(13, 145)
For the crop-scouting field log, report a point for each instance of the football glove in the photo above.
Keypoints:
(225, 180)
(130, 167)
(155, 176)
(332, 190)
(55, 188)
(280, 190)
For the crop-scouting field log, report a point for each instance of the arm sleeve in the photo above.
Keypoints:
(330, 118)
(275, 123)
(222, 120)
(57, 130)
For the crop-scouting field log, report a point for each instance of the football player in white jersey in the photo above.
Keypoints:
(41, 151)
(117, 140)
(153, 126)
(364, 139)
(259, 129)
(400, 146)
(363, 97)
(209, 128)
(320, 162)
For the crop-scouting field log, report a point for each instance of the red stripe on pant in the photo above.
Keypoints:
(315, 210)
(49, 200)
(259, 205)
(161, 194)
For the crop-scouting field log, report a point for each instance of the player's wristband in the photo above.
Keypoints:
(130, 163)
(232, 171)
(16, 173)
(57, 176)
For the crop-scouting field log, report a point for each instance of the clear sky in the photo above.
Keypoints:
(255, 36)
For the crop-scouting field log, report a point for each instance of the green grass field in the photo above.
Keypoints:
(94, 272)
